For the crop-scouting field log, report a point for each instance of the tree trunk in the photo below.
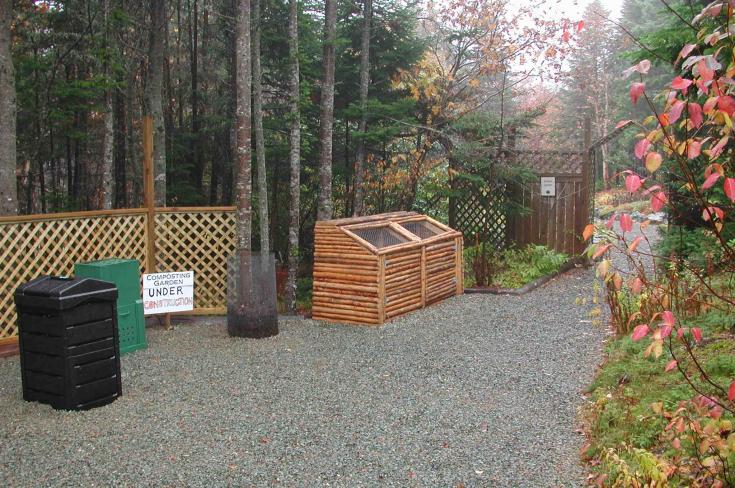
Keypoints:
(294, 157)
(325, 203)
(243, 183)
(362, 126)
(108, 139)
(120, 148)
(197, 173)
(8, 181)
(153, 95)
(258, 128)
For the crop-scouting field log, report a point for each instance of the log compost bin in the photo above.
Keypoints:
(368, 270)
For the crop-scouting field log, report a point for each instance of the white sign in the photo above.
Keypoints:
(168, 292)
(548, 186)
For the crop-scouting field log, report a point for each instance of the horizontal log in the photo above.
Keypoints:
(339, 286)
(346, 299)
(349, 314)
(408, 277)
(362, 266)
(326, 317)
(401, 311)
(409, 298)
(344, 278)
(319, 305)
(345, 257)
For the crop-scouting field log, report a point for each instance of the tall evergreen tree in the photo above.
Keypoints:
(243, 178)
(294, 156)
(325, 204)
(153, 96)
(8, 182)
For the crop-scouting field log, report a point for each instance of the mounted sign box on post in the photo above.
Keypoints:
(548, 186)
(168, 292)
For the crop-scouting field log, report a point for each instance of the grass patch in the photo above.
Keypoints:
(625, 433)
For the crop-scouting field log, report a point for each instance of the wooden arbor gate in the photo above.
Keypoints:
(488, 211)
(557, 220)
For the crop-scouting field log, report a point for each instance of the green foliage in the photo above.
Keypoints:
(514, 268)
(698, 246)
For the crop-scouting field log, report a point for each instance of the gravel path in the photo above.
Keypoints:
(481, 390)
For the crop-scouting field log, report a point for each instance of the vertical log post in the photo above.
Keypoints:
(381, 289)
(149, 200)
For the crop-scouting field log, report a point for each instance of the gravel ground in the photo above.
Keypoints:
(481, 390)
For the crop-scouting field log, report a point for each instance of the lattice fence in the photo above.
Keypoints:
(36, 246)
(482, 213)
(186, 239)
(198, 241)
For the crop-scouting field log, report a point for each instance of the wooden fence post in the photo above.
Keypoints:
(150, 204)
(586, 171)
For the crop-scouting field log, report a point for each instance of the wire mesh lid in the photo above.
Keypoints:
(380, 237)
(422, 228)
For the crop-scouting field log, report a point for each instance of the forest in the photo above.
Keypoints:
(356, 107)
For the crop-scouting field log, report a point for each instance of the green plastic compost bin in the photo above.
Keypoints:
(125, 273)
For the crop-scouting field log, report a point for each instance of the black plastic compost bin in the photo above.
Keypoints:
(68, 338)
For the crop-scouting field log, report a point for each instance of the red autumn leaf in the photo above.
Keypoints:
(666, 331)
(686, 50)
(672, 364)
(626, 222)
(641, 147)
(658, 200)
(663, 119)
(676, 111)
(632, 183)
(726, 104)
(731, 392)
(601, 250)
(695, 114)
(588, 232)
(640, 332)
(697, 333)
(676, 443)
(705, 72)
(710, 181)
(565, 36)
(636, 90)
(712, 211)
(611, 221)
(682, 84)
(694, 149)
(718, 148)
(580, 25)
(729, 187)
(634, 245)
(667, 317)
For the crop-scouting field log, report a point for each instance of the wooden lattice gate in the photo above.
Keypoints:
(506, 213)
(558, 220)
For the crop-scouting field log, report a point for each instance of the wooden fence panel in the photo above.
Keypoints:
(51, 244)
(554, 221)
(198, 239)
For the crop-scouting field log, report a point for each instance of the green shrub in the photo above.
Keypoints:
(514, 268)
(698, 246)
